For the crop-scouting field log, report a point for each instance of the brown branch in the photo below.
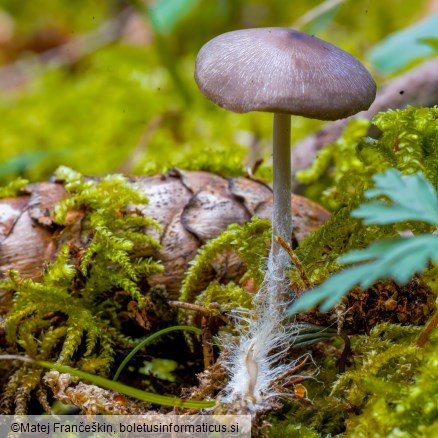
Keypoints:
(204, 311)
(424, 335)
(295, 260)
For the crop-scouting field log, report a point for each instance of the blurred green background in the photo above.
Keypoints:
(107, 86)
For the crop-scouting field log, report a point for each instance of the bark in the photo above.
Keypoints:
(417, 87)
(191, 207)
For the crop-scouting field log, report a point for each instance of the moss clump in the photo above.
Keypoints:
(14, 188)
(250, 241)
(115, 231)
(396, 389)
(408, 142)
(71, 315)
(390, 389)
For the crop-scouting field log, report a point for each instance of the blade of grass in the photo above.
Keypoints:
(151, 338)
(162, 400)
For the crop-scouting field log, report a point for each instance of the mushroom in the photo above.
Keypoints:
(285, 72)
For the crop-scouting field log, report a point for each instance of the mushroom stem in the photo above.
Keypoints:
(282, 210)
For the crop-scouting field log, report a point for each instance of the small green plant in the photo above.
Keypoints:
(139, 394)
(344, 170)
(116, 231)
(250, 241)
(70, 315)
(412, 198)
(13, 188)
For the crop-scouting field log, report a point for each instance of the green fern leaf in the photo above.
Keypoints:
(413, 198)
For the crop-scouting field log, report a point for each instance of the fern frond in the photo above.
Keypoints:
(413, 198)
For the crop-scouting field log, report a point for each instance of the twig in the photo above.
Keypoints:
(345, 352)
(424, 335)
(207, 343)
(189, 306)
(295, 260)
(207, 313)
(291, 371)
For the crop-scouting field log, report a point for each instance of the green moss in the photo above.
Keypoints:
(397, 391)
(65, 317)
(116, 230)
(217, 160)
(320, 250)
(320, 415)
(389, 377)
(390, 389)
(250, 241)
(282, 430)
(408, 142)
(14, 188)
(230, 296)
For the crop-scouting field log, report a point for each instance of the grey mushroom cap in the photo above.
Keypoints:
(281, 70)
